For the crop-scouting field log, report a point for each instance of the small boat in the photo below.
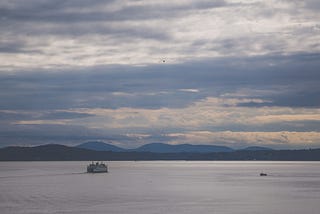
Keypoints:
(263, 174)
(97, 167)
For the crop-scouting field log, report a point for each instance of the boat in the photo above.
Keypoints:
(263, 174)
(97, 167)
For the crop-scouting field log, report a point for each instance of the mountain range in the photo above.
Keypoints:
(164, 148)
(100, 146)
(55, 152)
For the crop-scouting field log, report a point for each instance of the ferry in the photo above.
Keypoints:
(97, 167)
(263, 174)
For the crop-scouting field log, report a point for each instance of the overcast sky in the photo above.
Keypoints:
(223, 72)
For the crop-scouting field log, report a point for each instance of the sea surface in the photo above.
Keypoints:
(143, 187)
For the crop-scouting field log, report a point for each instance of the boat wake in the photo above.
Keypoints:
(42, 175)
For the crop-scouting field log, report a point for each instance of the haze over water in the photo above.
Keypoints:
(160, 187)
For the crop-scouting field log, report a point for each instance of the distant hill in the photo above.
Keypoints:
(168, 148)
(256, 148)
(54, 152)
(100, 146)
(42, 153)
(155, 148)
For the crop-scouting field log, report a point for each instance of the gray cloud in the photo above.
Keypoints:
(293, 79)
(69, 30)
(294, 126)
(312, 4)
(39, 18)
(11, 47)
(71, 135)
(41, 134)
(294, 99)
(12, 117)
(61, 56)
(59, 11)
(64, 115)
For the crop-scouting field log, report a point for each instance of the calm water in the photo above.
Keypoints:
(160, 187)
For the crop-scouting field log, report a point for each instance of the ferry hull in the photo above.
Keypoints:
(97, 168)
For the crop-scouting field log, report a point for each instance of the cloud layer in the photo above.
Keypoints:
(55, 33)
(131, 72)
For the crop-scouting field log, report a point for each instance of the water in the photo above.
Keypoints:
(161, 187)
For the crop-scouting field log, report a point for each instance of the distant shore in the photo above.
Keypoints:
(56, 152)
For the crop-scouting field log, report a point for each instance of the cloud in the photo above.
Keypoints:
(81, 11)
(122, 68)
(290, 81)
(36, 134)
(243, 139)
(205, 122)
(312, 4)
(75, 33)
(191, 90)
(207, 114)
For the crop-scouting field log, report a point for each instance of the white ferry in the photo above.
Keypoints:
(97, 167)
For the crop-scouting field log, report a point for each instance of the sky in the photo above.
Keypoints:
(235, 73)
